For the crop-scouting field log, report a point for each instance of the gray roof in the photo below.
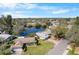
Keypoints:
(4, 36)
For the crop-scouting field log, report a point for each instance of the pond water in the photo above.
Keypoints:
(31, 30)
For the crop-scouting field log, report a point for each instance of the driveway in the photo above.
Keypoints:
(59, 48)
(18, 51)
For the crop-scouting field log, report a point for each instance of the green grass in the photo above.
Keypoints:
(39, 50)
(71, 52)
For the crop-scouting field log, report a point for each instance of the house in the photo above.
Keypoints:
(6, 37)
(43, 35)
(24, 40)
(55, 23)
(17, 47)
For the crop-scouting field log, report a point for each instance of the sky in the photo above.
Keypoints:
(39, 10)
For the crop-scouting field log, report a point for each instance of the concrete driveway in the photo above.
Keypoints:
(59, 48)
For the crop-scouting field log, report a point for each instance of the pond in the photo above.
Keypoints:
(31, 30)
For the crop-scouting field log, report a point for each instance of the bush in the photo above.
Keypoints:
(37, 25)
(60, 32)
(32, 35)
(29, 26)
(44, 26)
(7, 52)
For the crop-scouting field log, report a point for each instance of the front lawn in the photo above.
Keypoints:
(39, 50)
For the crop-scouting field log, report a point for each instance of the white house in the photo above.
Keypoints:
(43, 35)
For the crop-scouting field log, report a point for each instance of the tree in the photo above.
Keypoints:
(7, 23)
(10, 25)
(60, 32)
(24, 47)
(37, 25)
(44, 26)
(73, 34)
(37, 41)
(76, 21)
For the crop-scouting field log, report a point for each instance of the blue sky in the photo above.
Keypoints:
(40, 9)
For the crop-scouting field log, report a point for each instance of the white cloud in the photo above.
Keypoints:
(31, 6)
(8, 5)
(60, 11)
(14, 15)
(47, 8)
(18, 14)
(18, 5)
(25, 16)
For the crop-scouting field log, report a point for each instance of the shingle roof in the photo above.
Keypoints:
(25, 40)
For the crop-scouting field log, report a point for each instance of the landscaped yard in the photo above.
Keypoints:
(39, 50)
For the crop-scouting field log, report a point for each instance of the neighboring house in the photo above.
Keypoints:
(55, 23)
(6, 37)
(69, 26)
(43, 35)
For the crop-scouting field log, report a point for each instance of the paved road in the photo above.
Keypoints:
(59, 48)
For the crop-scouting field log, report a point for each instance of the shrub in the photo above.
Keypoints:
(32, 35)
(7, 52)
(37, 25)
(44, 26)
(29, 26)
(60, 32)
